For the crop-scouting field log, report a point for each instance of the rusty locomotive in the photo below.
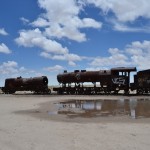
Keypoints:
(79, 82)
(38, 85)
(104, 81)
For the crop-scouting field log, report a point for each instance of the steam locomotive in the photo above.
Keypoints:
(79, 82)
(104, 81)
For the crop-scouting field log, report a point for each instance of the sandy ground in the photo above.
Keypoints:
(26, 131)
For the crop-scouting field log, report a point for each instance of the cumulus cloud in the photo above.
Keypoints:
(124, 13)
(4, 49)
(24, 20)
(62, 19)
(54, 68)
(124, 10)
(135, 54)
(117, 58)
(31, 38)
(50, 48)
(3, 32)
(139, 53)
(71, 58)
(40, 22)
(123, 27)
(12, 69)
(9, 67)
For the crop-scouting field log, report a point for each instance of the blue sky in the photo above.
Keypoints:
(45, 37)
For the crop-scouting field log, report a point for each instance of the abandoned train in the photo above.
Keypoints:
(104, 81)
(37, 85)
(78, 82)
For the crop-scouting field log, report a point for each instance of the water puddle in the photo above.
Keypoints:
(132, 108)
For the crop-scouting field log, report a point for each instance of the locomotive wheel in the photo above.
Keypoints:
(146, 91)
(47, 91)
(11, 92)
(60, 92)
(116, 92)
(72, 92)
(139, 91)
(126, 92)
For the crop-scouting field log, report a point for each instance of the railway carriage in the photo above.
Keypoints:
(141, 82)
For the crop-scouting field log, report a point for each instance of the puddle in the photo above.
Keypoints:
(132, 108)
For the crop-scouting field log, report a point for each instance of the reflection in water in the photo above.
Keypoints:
(133, 104)
(135, 108)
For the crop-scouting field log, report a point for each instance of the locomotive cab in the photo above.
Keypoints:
(121, 78)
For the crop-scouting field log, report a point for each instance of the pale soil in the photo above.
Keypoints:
(24, 126)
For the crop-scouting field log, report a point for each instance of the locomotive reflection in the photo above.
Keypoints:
(134, 108)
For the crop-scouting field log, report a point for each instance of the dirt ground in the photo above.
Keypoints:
(26, 125)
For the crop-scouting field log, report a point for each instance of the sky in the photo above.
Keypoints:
(45, 37)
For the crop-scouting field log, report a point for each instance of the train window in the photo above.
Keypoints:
(120, 73)
(116, 73)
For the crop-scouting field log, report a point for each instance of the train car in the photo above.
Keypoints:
(37, 85)
(141, 82)
(108, 81)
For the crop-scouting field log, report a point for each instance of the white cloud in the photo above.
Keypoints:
(4, 49)
(71, 63)
(12, 69)
(124, 13)
(123, 27)
(139, 53)
(31, 38)
(88, 22)
(24, 20)
(3, 32)
(124, 10)
(40, 22)
(135, 54)
(54, 68)
(71, 58)
(9, 67)
(51, 49)
(63, 19)
(59, 32)
(117, 58)
(10, 64)
(70, 29)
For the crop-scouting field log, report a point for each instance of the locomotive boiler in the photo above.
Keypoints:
(37, 85)
(103, 81)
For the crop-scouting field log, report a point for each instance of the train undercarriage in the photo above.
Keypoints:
(80, 89)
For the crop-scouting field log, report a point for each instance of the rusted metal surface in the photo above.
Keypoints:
(112, 80)
(142, 81)
(83, 76)
(36, 84)
(124, 69)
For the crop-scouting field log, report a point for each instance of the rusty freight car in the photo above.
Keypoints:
(141, 82)
(37, 85)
